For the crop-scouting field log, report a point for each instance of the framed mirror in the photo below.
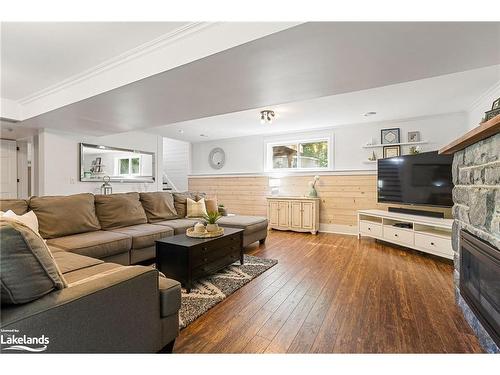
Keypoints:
(217, 158)
(120, 164)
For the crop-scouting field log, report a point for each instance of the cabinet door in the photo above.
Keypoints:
(273, 213)
(307, 215)
(295, 214)
(284, 214)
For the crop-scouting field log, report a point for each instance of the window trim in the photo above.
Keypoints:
(268, 150)
(118, 160)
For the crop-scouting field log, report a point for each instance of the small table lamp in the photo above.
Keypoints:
(274, 184)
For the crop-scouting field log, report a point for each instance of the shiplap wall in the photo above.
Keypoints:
(341, 196)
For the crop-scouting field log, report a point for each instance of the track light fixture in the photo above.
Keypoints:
(267, 116)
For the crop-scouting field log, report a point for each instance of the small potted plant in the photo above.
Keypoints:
(211, 218)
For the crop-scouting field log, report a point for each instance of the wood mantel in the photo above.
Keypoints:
(484, 130)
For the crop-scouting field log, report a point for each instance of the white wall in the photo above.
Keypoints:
(176, 162)
(482, 105)
(243, 155)
(59, 152)
(246, 154)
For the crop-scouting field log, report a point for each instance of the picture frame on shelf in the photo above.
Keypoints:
(496, 104)
(390, 136)
(392, 151)
(414, 136)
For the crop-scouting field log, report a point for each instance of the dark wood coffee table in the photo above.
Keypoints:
(187, 259)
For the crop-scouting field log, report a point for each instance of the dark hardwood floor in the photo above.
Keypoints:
(336, 294)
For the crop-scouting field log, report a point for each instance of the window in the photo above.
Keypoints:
(299, 155)
(129, 166)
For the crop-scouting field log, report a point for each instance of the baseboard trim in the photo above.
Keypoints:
(350, 230)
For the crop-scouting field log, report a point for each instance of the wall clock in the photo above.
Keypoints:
(217, 158)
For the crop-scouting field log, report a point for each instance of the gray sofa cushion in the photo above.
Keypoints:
(90, 273)
(178, 225)
(158, 205)
(250, 224)
(65, 215)
(28, 270)
(99, 244)
(18, 206)
(119, 210)
(144, 235)
(170, 296)
(69, 262)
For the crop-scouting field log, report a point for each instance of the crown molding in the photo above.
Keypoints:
(141, 50)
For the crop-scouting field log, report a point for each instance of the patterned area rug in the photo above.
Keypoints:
(208, 292)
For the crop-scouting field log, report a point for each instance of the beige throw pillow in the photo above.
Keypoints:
(29, 219)
(196, 209)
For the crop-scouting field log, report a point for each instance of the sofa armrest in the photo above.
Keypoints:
(118, 312)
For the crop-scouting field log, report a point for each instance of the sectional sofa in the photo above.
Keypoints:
(120, 228)
(94, 239)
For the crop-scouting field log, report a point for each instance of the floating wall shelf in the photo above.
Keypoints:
(396, 144)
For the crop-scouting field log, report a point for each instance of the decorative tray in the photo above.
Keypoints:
(191, 233)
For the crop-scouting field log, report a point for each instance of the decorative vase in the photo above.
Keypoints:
(212, 227)
(313, 193)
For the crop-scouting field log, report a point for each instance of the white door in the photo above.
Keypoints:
(8, 169)
(273, 213)
(307, 215)
(22, 170)
(295, 214)
(284, 214)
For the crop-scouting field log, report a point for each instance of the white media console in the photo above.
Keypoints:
(427, 234)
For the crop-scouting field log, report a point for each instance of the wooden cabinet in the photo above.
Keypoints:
(293, 213)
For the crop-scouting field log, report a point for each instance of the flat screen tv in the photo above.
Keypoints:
(421, 179)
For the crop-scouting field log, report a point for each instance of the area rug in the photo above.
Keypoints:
(208, 292)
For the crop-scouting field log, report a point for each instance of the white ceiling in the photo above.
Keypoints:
(298, 64)
(444, 94)
(36, 55)
(15, 131)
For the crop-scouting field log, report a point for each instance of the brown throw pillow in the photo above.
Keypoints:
(159, 206)
(119, 210)
(211, 205)
(65, 215)
(28, 270)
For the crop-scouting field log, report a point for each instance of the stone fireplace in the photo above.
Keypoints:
(476, 213)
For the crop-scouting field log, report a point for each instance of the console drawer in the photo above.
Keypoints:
(215, 265)
(369, 228)
(433, 243)
(206, 256)
(398, 235)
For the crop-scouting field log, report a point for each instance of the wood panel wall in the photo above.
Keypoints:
(341, 195)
